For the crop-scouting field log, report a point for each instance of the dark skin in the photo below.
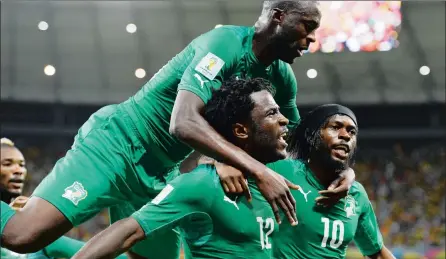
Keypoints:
(284, 36)
(12, 174)
(12, 177)
(189, 126)
(339, 138)
(261, 137)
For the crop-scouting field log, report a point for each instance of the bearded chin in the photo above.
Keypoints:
(323, 153)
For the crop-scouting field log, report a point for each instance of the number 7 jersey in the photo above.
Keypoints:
(324, 232)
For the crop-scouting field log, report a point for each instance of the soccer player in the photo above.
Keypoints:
(215, 225)
(126, 153)
(323, 145)
(12, 177)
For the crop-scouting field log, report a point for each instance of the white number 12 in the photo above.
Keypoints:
(264, 240)
(335, 241)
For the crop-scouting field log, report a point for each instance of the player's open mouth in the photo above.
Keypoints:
(282, 138)
(301, 51)
(16, 183)
(341, 151)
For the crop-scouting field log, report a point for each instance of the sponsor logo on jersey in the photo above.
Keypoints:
(350, 206)
(198, 77)
(75, 193)
(210, 65)
(163, 194)
(303, 193)
(226, 198)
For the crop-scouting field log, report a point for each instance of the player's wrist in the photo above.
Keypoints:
(259, 172)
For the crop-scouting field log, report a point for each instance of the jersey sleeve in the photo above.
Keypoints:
(368, 237)
(287, 101)
(214, 56)
(187, 194)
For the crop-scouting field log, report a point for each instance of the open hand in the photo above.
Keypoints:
(232, 180)
(337, 190)
(276, 190)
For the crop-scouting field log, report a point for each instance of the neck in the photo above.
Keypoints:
(262, 46)
(324, 175)
(6, 196)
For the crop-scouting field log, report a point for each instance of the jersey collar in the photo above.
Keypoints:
(309, 175)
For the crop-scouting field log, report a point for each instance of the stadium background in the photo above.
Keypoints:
(61, 61)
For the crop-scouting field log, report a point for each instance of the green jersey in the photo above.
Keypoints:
(324, 232)
(202, 66)
(213, 225)
(8, 254)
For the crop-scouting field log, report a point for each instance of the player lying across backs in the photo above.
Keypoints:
(124, 154)
(321, 147)
(12, 177)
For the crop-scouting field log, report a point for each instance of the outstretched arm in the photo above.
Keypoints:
(383, 254)
(113, 241)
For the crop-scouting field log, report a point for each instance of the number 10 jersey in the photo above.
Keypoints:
(324, 232)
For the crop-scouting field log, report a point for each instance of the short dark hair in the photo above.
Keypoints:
(232, 103)
(300, 7)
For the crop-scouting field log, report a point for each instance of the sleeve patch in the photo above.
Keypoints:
(210, 65)
(163, 194)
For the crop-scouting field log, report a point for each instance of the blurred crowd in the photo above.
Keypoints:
(358, 26)
(407, 189)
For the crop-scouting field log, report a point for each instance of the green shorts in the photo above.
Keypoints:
(106, 167)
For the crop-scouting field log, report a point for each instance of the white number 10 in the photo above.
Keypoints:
(264, 240)
(335, 241)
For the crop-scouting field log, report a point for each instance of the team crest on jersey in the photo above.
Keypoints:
(75, 193)
(210, 65)
(350, 206)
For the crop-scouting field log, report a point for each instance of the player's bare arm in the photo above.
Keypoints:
(113, 241)
(189, 126)
(383, 254)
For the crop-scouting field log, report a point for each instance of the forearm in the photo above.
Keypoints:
(197, 133)
(113, 241)
(63, 247)
(383, 254)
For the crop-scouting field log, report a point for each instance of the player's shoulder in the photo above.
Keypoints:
(204, 173)
(359, 192)
(283, 73)
(288, 168)
(230, 36)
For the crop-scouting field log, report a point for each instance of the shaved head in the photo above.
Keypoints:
(303, 8)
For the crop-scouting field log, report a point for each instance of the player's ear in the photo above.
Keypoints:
(278, 16)
(240, 131)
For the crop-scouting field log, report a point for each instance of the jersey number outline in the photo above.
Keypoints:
(264, 237)
(335, 240)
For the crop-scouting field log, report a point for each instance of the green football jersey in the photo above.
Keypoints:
(213, 225)
(8, 254)
(202, 66)
(324, 232)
